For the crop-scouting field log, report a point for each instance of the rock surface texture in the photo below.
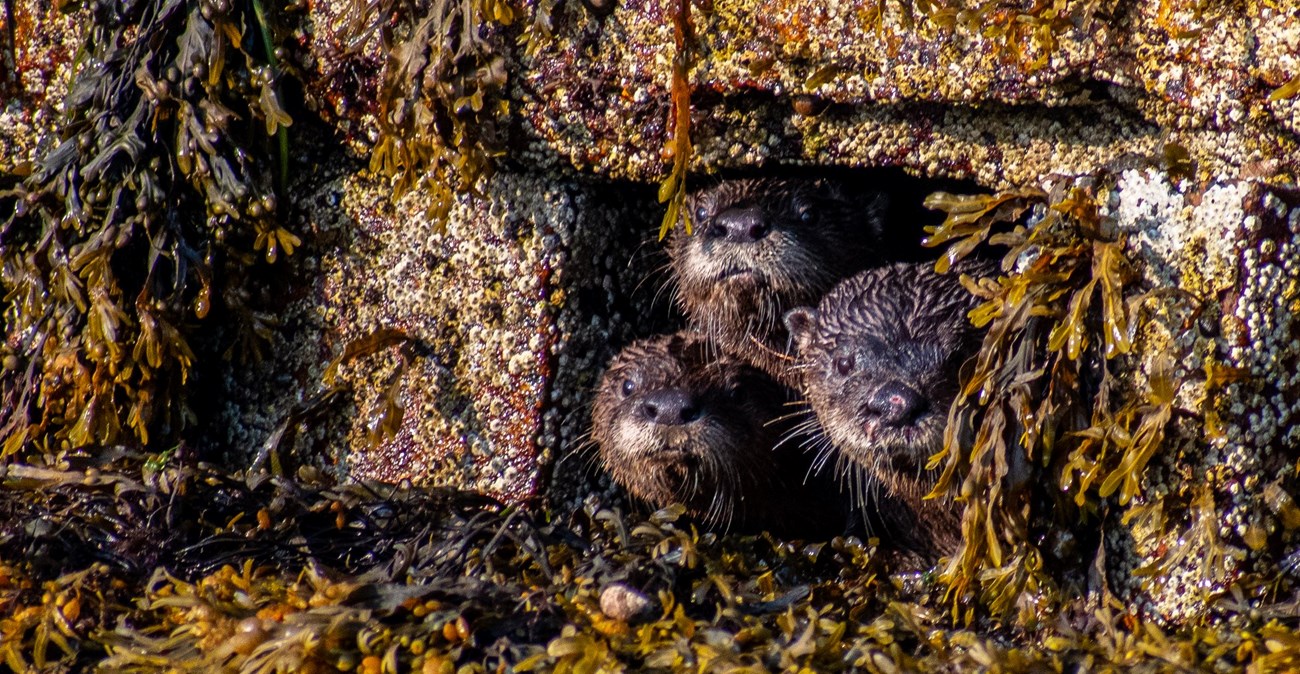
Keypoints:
(494, 326)
(486, 337)
(37, 44)
(1215, 501)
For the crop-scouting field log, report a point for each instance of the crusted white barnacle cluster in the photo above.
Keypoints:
(1172, 234)
(1270, 296)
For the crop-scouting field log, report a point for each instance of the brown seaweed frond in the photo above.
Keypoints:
(151, 211)
(1042, 396)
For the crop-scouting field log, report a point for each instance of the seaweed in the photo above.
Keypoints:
(94, 533)
(1042, 390)
(441, 103)
(258, 573)
(143, 218)
(672, 190)
(382, 423)
(1289, 89)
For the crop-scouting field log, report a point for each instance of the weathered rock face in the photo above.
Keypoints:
(497, 326)
(489, 335)
(37, 44)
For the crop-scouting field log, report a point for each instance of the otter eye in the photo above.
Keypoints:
(844, 365)
(629, 387)
(701, 214)
(807, 215)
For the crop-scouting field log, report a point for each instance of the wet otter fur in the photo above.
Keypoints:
(677, 422)
(878, 360)
(760, 247)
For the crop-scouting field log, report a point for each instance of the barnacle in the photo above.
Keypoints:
(155, 195)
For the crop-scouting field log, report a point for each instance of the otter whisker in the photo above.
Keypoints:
(825, 450)
(801, 428)
(586, 450)
(729, 503)
(854, 475)
(810, 425)
(805, 431)
(776, 421)
(714, 513)
(822, 454)
(665, 285)
(663, 270)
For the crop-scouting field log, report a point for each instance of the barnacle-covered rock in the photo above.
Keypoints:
(37, 45)
(1212, 513)
(1178, 117)
(473, 344)
(1002, 94)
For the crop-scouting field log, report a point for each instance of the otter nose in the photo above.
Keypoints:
(739, 225)
(670, 407)
(896, 404)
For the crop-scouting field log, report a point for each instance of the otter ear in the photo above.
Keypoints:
(825, 188)
(799, 323)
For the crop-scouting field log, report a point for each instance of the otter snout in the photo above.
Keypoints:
(670, 407)
(896, 404)
(744, 224)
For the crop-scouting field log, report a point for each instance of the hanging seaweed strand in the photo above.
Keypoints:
(673, 189)
(441, 103)
(1064, 300)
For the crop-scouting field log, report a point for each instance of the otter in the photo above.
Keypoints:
(675, 421)
(878, 361)
(760, 247)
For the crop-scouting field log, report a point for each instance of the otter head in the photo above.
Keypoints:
(761, 246)
(675, 421)
(879, 360)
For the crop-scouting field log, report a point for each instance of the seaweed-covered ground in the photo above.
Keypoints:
(157, 563)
